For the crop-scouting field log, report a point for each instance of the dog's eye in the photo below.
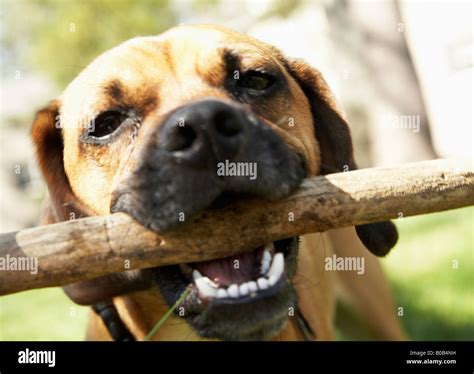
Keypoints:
(106, 123)
(256, 81)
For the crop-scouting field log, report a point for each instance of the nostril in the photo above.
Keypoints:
(227, 124)
(182, 138)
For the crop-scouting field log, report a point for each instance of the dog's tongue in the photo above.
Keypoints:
(235, 269)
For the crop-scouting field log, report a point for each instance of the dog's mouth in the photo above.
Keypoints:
(241, 297)
(237, 278)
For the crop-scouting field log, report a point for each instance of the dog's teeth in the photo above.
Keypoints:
(278, 265)
(205, 289)
(267, 256)
(196, 274)
(211, 283)
(252, 286)
(272, 280)
(233, 291)
(266, 260)
(221, 293)
(244, 289)
(262, 283)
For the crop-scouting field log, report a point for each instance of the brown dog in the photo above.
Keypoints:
(143, 129)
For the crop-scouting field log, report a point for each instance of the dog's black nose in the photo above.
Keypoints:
(204, 132)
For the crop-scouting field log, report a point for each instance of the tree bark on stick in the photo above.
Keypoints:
(86, 248)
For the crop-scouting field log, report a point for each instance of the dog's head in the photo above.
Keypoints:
(164, 127)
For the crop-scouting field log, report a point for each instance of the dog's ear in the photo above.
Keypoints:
(336, 153)
(48, 141)
(332, 131)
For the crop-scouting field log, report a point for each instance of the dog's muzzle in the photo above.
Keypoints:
(200, 152)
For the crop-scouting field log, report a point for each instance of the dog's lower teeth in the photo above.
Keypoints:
(205, 289)
(272, 270)
(266, 259)
(277, 267)
(211, 283)
(262, 283)
(233, 291)
(244, 289)
(196, 274)
(252, 286)
(272, 280)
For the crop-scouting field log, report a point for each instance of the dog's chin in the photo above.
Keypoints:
(243, 297)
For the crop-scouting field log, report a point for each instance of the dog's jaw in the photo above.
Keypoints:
(258, 315)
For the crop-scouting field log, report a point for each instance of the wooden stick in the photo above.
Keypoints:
(86, 248)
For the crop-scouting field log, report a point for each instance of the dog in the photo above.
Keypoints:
(141, 131)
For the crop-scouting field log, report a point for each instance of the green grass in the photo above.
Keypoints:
(438, 299)
(45, 314)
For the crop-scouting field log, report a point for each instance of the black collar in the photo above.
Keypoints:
(112, 321)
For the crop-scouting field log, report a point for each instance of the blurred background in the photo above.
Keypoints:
(402, 71)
